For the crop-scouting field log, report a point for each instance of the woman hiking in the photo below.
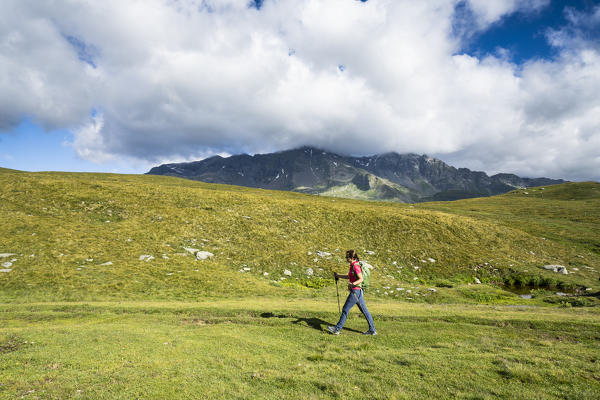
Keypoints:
(355, 296)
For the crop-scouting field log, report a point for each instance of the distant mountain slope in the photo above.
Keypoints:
(405, 178)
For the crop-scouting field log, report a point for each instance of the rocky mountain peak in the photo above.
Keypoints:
(388, 176)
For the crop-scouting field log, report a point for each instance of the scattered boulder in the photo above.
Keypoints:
(7, 264)
(323, 254)
(203, 255)
(146, 257)
(4, 255)
(309, 271)
(477, 281)
(287, 272)
(191, 250)
(432, 290)
(5, 270)
(106, 264)
(556, 268)
(200, 255)
(431, 259)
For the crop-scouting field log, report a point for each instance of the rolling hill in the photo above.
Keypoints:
(78, 236)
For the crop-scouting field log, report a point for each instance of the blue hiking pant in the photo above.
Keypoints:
(355, 297)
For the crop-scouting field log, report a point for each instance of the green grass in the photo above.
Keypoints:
(567, 214)
(274, 349)
(63, 227)
(236, 326)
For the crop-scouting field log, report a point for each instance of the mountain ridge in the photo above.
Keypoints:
(407, 178)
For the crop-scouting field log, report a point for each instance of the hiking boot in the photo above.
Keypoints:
(372, 333)
(333, 330)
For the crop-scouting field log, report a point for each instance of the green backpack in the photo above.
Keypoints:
(366, 273)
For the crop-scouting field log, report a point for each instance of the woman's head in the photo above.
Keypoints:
(351, 255)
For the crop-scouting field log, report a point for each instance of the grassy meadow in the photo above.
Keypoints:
(101, 295)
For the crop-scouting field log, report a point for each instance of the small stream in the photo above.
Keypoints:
(525, 291)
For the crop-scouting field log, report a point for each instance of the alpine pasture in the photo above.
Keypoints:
(127, 286)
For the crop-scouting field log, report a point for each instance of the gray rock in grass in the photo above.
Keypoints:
(203, 255)
(191, 250)
(556, 268)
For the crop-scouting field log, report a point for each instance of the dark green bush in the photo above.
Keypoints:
(550, 282)
(575, 301)
(536, 281)
(443, 283)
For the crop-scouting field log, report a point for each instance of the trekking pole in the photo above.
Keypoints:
(337, 290)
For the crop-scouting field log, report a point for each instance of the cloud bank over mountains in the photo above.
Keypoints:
(166, 81)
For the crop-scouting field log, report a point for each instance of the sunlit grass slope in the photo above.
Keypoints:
(568, 214)
(272, 349)
(79, 236)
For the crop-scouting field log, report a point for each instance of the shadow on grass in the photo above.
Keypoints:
(315, 323)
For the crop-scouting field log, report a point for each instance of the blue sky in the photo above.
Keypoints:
(523, 34)
(28, 147)
(498, 86)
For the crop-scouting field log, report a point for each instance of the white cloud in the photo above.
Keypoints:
(181, 79)
(490, 11)
(89, 142)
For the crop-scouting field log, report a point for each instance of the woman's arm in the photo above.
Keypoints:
(360, 279)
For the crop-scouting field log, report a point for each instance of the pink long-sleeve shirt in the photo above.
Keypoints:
(353, 273)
